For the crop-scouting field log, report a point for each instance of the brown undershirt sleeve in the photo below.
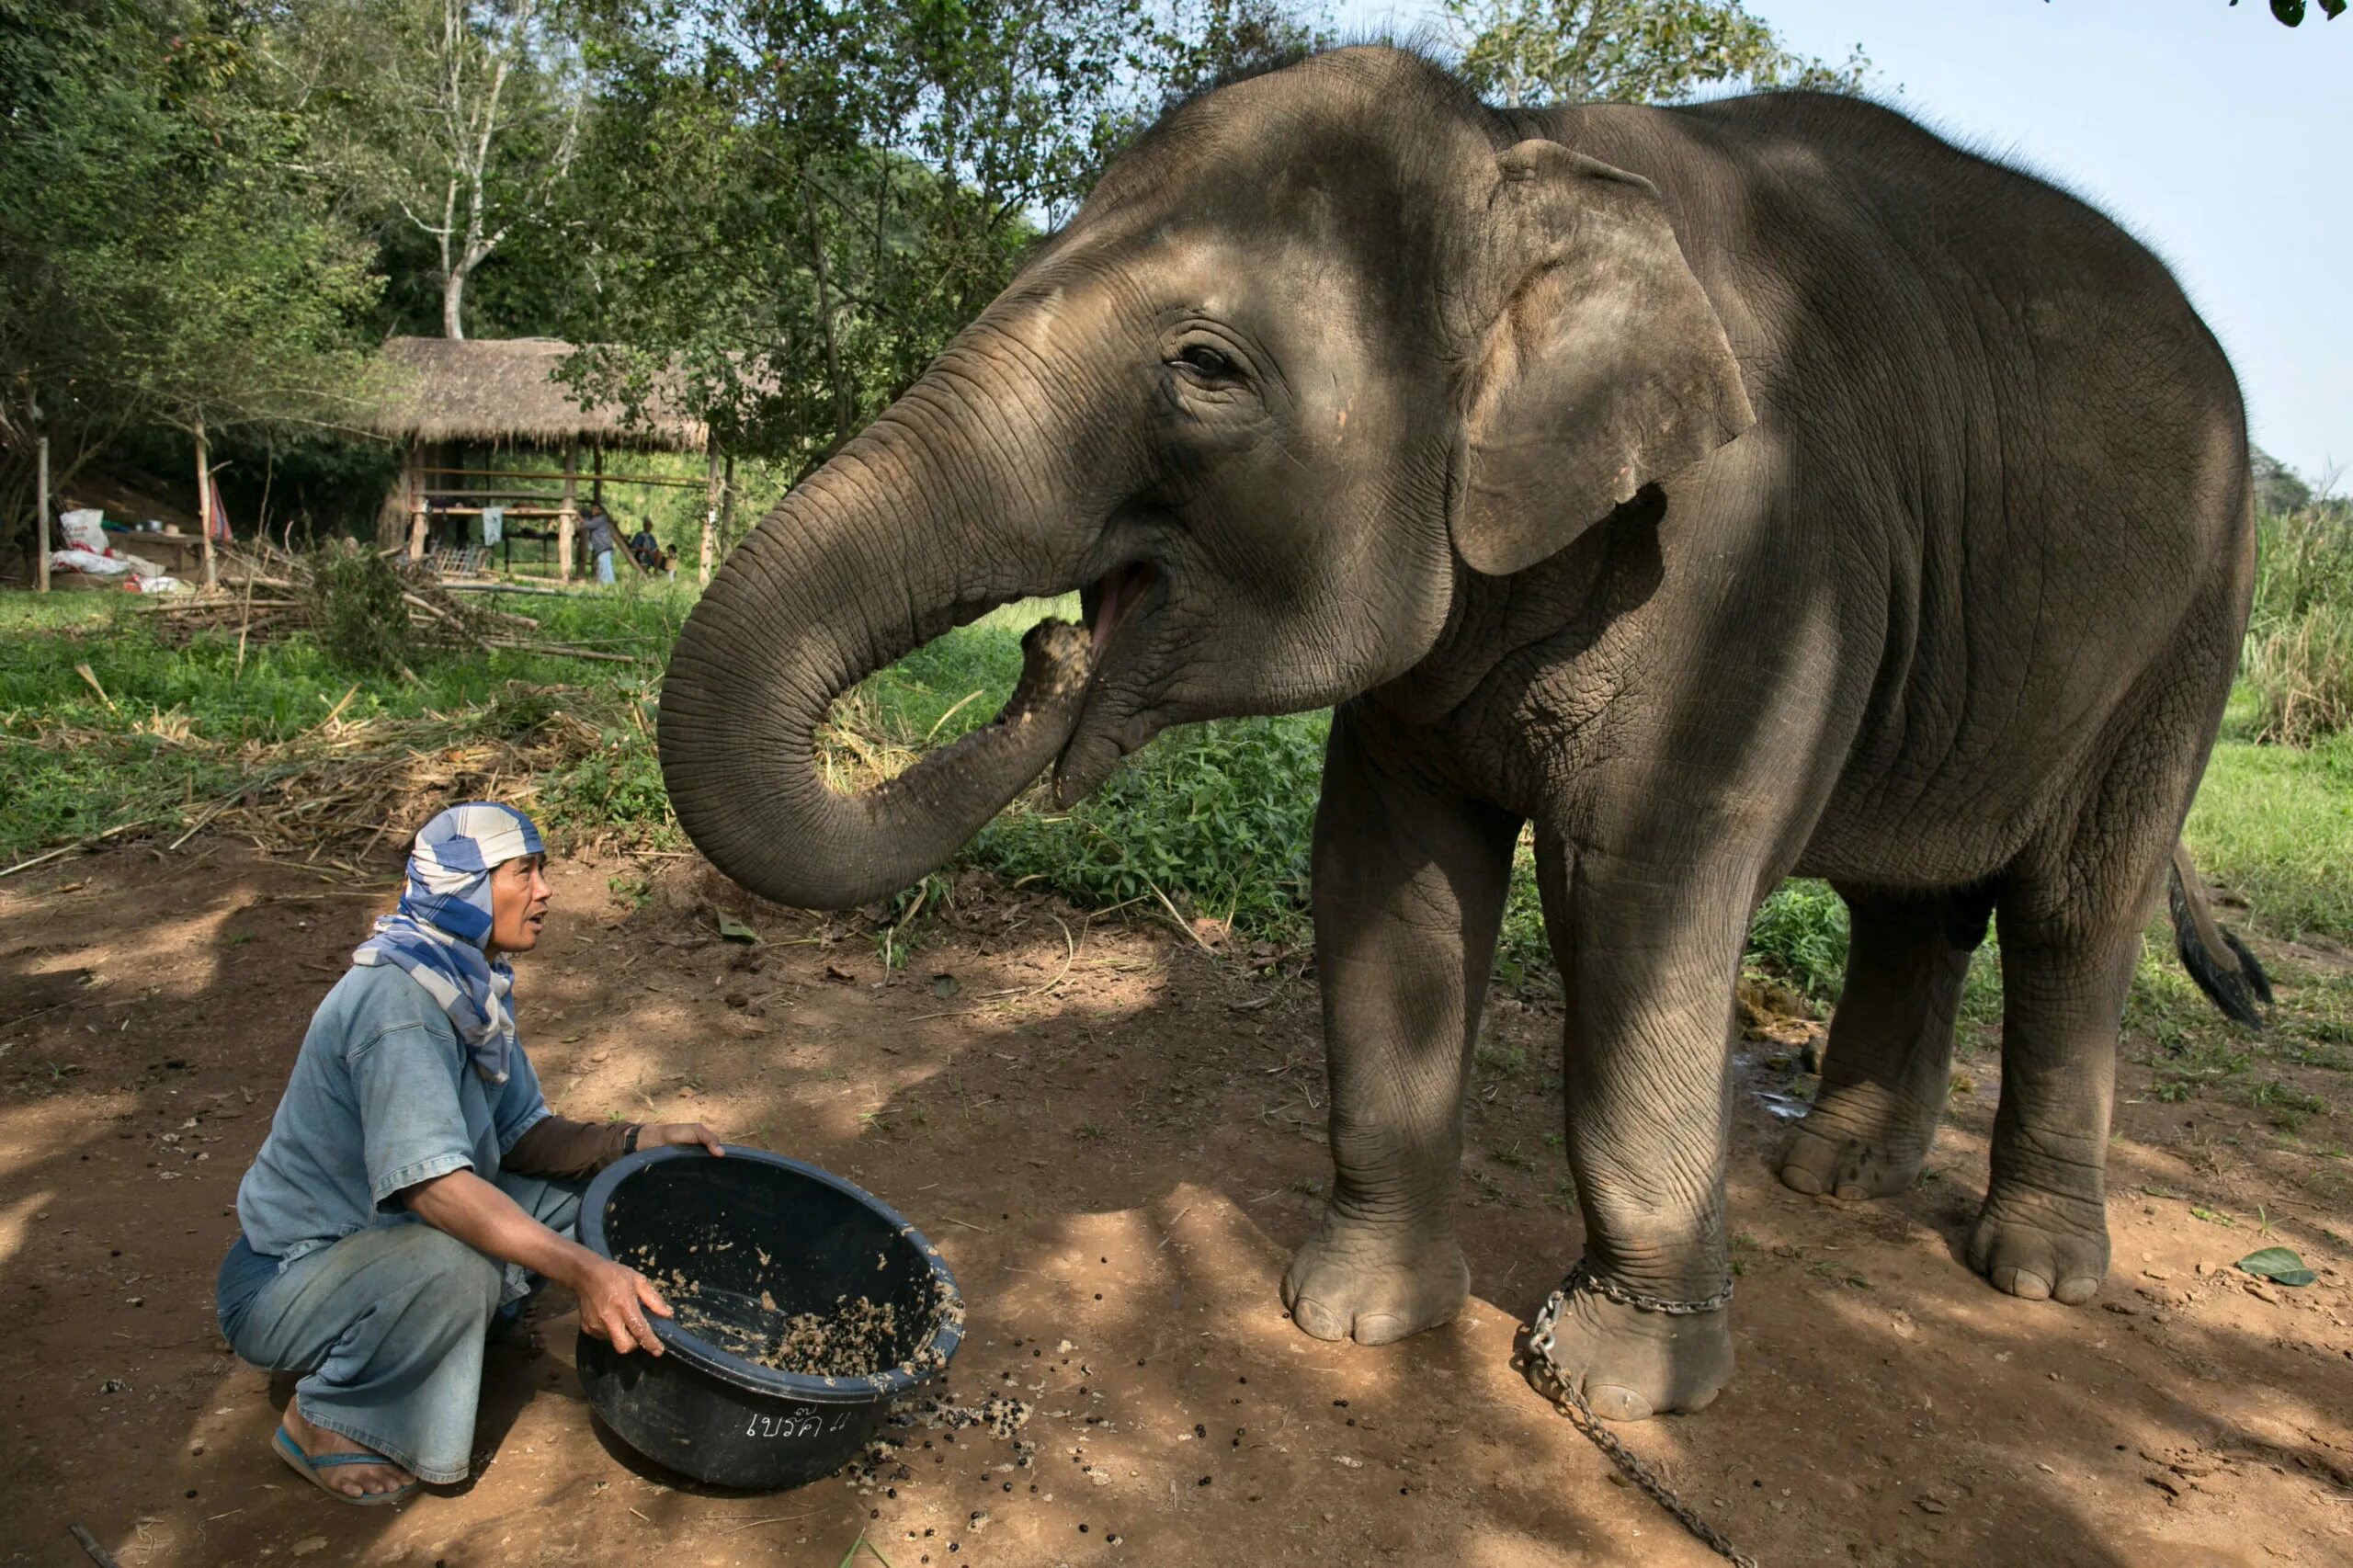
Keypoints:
(559, 1146)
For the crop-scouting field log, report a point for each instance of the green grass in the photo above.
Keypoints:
(2276, 823)
(1214, 819)
(179, 726)
(1798, 935)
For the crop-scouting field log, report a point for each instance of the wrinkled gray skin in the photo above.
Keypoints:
(1733, 492)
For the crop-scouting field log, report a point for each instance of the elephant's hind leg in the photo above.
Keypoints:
(2071, 916)
(1885, 1081)
(2043, 1231)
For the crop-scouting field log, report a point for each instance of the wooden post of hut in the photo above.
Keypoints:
(726, 504)
(415, 479)
(567, 515)
(714, 495)
(597, 466)
(204, 509)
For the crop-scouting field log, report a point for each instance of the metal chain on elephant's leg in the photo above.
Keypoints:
(1546, 1376)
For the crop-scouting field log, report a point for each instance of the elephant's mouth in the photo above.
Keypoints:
(1107, 604)
(1099, 738)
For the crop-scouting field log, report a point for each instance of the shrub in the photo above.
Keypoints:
(363, 623)
(1216, 818)
(2302, 671)
(2300, 634)
(1799, 936)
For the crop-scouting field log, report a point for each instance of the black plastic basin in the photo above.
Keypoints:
(702, 1408)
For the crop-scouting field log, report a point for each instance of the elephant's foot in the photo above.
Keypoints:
(1632, 1364)
(1374, 1283)
(2042, 1247)
(1858, 1141)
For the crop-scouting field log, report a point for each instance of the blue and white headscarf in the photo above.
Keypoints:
(440, 935)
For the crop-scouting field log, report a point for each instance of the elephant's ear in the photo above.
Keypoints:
(1600, 368)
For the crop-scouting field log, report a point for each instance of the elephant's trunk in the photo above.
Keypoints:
(887, 546)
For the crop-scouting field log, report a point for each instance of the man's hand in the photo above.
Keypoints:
(613, 1304)
(660, 1134)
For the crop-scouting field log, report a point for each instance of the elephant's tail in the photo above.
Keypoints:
(2215, 957)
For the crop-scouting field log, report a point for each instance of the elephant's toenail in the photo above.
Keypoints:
(2025, 1284)
(2076, 1292)
(1316, 1319)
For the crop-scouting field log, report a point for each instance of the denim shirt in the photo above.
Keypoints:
(382, 1097)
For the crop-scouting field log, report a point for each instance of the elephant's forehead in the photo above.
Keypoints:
(1201, 260)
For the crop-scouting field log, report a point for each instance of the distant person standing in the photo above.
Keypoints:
(602, 538)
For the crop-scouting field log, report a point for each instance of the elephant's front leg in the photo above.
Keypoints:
(1648, 946)
(1409, 879)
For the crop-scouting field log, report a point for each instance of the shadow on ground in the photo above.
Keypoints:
(1116, 1139)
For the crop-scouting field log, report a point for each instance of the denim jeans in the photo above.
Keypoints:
(388, 1327)
(604, 566)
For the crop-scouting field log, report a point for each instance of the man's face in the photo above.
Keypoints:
(518, 905)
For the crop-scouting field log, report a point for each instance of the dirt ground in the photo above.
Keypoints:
(1116, 1138)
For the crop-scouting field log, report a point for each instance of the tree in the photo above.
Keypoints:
(2278, 488)
(167, 255)
(460, 118)
(1524, 52)
(1220, 41)
(796, 204)
(2291, 13)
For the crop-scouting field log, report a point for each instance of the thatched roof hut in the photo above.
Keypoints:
(447, 397)
(504, 392)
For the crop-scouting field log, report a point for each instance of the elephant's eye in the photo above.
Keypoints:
(1205, 364)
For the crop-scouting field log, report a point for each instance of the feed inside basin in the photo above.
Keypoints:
(770, 1265)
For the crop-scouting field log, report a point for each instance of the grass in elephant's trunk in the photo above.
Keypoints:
(958, 682)
(858, 756)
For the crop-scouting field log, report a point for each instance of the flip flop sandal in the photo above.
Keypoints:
(308, 1468)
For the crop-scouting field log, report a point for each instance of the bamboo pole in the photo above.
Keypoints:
(40, 514)
(511, 511)
(204, 509)
(552, 478)
(567, 518)
(714, 495)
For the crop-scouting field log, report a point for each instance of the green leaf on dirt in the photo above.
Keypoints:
(735, 930)
(2213, 1217)
(2278, 1264)
(2152, 1189)
(944, 986)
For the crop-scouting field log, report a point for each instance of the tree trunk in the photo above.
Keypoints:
(204, 509)
(453, 300)
(40, 515)
(726, 509)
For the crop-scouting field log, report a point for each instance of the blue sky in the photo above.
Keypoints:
(2222, 139)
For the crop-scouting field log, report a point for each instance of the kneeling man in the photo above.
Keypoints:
(415, 1188)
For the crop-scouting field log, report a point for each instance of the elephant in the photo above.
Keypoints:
(1723, 493)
